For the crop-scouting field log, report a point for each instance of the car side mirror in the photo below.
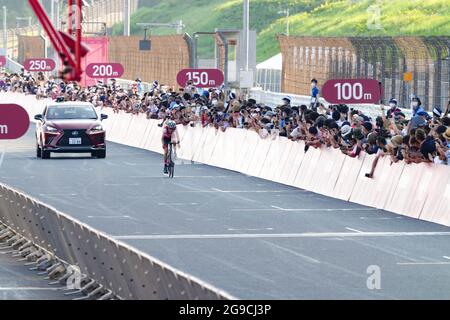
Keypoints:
(103, 117)
(38, 117)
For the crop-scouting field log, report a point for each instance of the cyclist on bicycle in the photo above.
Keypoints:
(170, 135)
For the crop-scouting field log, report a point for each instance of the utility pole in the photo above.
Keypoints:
(287, 22)
(57, 14)
(126, 18)
(287, 13)
(5, 32)
(52, 11)
(247, 32)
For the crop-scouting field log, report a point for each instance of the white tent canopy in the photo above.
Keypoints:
(274, 63)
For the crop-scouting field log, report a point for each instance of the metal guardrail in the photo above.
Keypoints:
(13, 66)
(115, 266)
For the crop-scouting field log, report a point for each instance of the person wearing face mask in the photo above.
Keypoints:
(314, 95)
(393, 108)
(416, 105)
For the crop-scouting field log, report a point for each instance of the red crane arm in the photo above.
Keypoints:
(70, 50)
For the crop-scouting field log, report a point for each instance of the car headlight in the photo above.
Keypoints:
(97, 128)
(50, 129)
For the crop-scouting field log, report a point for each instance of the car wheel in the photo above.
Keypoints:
(38, 151)
(99, 154)
(45, 154)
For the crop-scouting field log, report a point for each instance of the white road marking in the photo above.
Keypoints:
(263, 229)
(281, 235)
(252, 191)
(295, 253)
(354, 230)
(58, 194)
(325, 209)
(381, 218)
(247, 209)
(2, 156)
(421, 263)
(177, 204)
(446, 257)
(112, 217)
(181, 177)
(121, 185)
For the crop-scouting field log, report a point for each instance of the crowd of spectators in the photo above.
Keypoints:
(424, 137)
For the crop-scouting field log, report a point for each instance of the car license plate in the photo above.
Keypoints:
(74, 140)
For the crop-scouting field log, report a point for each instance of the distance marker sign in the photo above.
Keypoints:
(105, 70)
(39, 65)
(2, 61)
(14, 121)
(201, 78)
(352, 91)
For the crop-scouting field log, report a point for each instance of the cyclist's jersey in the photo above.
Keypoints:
(168, 132)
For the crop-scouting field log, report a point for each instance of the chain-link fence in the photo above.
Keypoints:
(386, 59)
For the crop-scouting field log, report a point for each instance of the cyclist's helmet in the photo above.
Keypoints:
(171, 124)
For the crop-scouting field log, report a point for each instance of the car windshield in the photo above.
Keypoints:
(71, 112)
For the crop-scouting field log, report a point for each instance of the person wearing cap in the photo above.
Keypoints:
(420, 119)
(437, 114)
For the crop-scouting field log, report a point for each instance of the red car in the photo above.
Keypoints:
(70, 127)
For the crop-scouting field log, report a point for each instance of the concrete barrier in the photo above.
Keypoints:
(115, 266)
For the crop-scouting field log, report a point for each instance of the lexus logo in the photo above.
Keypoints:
(75, 133)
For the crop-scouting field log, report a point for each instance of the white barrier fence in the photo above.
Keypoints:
(420, 191)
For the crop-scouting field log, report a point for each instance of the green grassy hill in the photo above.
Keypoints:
(308, 17)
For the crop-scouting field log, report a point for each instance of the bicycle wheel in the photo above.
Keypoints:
(171, 163)
(171, 169)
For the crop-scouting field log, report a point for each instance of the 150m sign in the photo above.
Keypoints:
(352, 91)
(104, 70)
(201, 78)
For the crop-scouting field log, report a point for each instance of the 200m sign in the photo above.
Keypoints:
(104, 70)
(201, 78)
(352, 91)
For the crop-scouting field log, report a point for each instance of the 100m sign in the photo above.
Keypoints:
(352, 91)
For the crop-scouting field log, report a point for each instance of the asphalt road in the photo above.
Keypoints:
(253, 238)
